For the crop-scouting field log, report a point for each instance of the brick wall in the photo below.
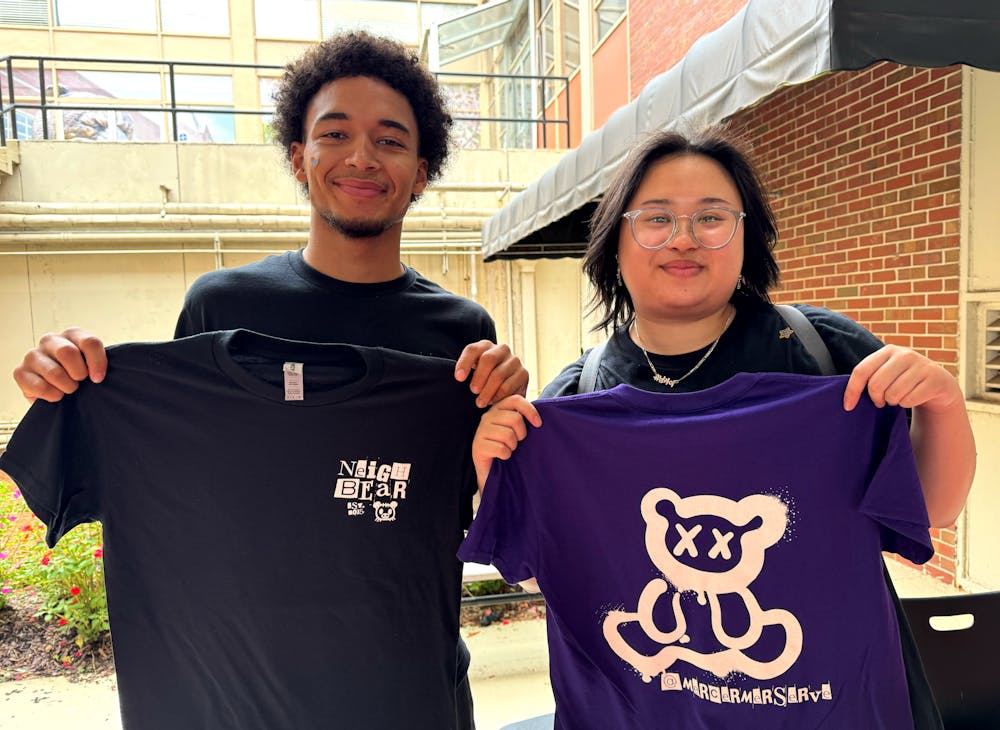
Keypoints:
(864, 168)
(660, 33)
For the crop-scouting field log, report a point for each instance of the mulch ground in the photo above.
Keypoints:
(31, 647)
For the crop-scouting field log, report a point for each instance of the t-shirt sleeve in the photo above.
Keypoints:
(191, 320)
(51, 460)
(489, 329)
(503, 534)
(184, 326)
(894, 498)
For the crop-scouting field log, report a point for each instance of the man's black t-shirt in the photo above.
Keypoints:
(283, 296)
(269, 563)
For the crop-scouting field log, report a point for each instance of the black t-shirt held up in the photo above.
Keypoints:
(269, 563)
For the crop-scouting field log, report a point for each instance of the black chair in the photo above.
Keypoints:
(959, 642)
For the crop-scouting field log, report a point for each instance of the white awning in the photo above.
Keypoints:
(766, 45)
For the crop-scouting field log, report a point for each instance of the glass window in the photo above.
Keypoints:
(477, 30)
(104, 123)
(431, 13)
(464, 104)
(607, 13)
(206, 127)
(396, 20)
(267, 87)
(25, 122)
(516, 94)
(200, 17)
(546, 38)
(203, 89)
(118, 14)
(109, 85)
(296, 19)
(571, 37)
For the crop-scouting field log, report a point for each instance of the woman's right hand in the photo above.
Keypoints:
(500, 430)
(56, 367)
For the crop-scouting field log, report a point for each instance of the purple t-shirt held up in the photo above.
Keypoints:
(712, 559)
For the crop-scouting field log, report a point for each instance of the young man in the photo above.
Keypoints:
(365, 129)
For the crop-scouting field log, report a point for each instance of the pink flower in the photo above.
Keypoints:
(63, 622)
(3, 556)
(74, 591)
(5, 589)
(17, 493)
(46, 558)
(12, 518)
(99, 553)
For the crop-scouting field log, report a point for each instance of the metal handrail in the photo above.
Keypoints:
(9, 104)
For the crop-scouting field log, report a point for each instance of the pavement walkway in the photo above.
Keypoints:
(509, 676)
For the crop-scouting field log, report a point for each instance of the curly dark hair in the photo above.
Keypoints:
(362, 54)
(760, 270)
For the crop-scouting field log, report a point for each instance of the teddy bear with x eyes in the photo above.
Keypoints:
(707, 585)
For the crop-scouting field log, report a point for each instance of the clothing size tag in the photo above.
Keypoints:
(294, 386)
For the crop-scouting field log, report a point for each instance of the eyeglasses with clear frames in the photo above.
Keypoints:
(711, 228)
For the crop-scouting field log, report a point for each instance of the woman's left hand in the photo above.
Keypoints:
(943, 443)
(899, 376)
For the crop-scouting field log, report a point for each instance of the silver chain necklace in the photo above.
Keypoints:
(671, 382)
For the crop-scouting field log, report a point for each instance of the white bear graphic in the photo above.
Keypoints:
(385, 511)
(709, 586)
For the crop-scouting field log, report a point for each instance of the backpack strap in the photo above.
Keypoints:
(808, 336)
(588, 376)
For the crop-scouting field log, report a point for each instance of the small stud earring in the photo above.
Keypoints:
(314, 162)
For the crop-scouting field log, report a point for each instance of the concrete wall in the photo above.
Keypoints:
(121, 291)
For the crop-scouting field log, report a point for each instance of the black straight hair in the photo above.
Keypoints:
(760, 234)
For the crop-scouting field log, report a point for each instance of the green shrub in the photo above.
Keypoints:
(19, 539)
(69, 580)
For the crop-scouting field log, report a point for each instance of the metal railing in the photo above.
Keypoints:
(9, 104)
(539, 94)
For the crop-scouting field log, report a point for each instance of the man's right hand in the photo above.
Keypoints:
(59, 363)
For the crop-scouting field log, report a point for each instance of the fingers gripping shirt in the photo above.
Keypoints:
(713, 557)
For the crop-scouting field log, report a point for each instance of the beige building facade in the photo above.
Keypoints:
(109, 236)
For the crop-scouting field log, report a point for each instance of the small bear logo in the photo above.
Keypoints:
(385, 511)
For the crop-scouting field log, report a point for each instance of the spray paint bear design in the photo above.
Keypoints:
(709, 586)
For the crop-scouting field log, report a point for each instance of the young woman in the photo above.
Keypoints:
(681, 261)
